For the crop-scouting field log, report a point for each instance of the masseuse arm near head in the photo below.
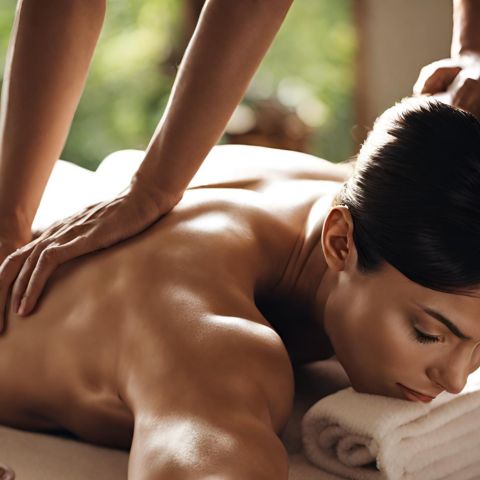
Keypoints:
(465, 51)
(50, 51)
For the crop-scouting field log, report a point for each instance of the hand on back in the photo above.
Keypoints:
(26, 270)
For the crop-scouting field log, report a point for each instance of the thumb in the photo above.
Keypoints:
(438, 81)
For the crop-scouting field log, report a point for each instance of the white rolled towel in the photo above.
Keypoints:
(365, 437)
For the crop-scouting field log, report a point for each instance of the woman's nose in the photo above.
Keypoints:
(453, 374)
(455, 384)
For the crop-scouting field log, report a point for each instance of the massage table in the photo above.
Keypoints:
(35, 456)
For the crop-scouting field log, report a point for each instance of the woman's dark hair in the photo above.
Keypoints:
(415, 196)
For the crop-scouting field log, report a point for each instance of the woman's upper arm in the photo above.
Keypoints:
(233, 446)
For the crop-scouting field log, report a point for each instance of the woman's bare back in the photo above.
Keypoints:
(175, 303)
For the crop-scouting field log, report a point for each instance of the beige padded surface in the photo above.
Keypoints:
(35, 456)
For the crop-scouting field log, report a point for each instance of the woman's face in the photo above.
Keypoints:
(385, 330)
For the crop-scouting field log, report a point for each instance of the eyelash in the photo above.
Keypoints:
(424, 338)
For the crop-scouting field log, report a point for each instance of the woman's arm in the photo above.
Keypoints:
(226, 48)
(439, 76)
(466, 27)
(50, 50)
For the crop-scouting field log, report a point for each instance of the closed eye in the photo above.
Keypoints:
(422, 337)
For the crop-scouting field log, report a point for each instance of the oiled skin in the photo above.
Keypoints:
(168, 313)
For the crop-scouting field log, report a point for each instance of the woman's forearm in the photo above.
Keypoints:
(466, 27)
(50, 50)
(226, 48)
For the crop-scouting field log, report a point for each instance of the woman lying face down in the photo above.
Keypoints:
(180, 341)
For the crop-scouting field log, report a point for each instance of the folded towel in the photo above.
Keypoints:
(362, 436)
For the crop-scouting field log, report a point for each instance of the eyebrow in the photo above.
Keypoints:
(447, 322)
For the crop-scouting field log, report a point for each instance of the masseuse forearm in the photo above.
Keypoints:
(50, 51)
(466, 27)
(226, 48)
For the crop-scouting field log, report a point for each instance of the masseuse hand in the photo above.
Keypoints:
(96, 227)
(225, 50)
(438, 76)
(11, 237)
(6, 248)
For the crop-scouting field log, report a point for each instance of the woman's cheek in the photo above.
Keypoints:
(374, 347)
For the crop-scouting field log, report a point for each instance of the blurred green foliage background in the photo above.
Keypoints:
(309, 69)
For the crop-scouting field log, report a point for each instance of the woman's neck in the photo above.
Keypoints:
(295, 306)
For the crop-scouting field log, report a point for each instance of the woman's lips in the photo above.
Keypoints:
(413, 395)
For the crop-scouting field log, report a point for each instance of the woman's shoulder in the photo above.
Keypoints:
(245, 163)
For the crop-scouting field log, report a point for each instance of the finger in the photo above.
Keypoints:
(441, 79)
(63, 236)
(24, 274)
(468, 96)
(41, 235)
(72, 225)
(8, 276)
(59, 226)
(97, 210)
(8, 273)
(59, 232)
(460, 98)
(438, 81)
(475, 107)
(468, 102)
(52, 257)
(47, 263)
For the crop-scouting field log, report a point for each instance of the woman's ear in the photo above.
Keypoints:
(337, 239)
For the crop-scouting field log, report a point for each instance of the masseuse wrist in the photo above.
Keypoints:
(15, 230)
(10, 243)
(154, 198)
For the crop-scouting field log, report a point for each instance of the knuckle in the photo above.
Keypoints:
(39, 247)
(72, 228)
(75, 231)
(48, 255)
